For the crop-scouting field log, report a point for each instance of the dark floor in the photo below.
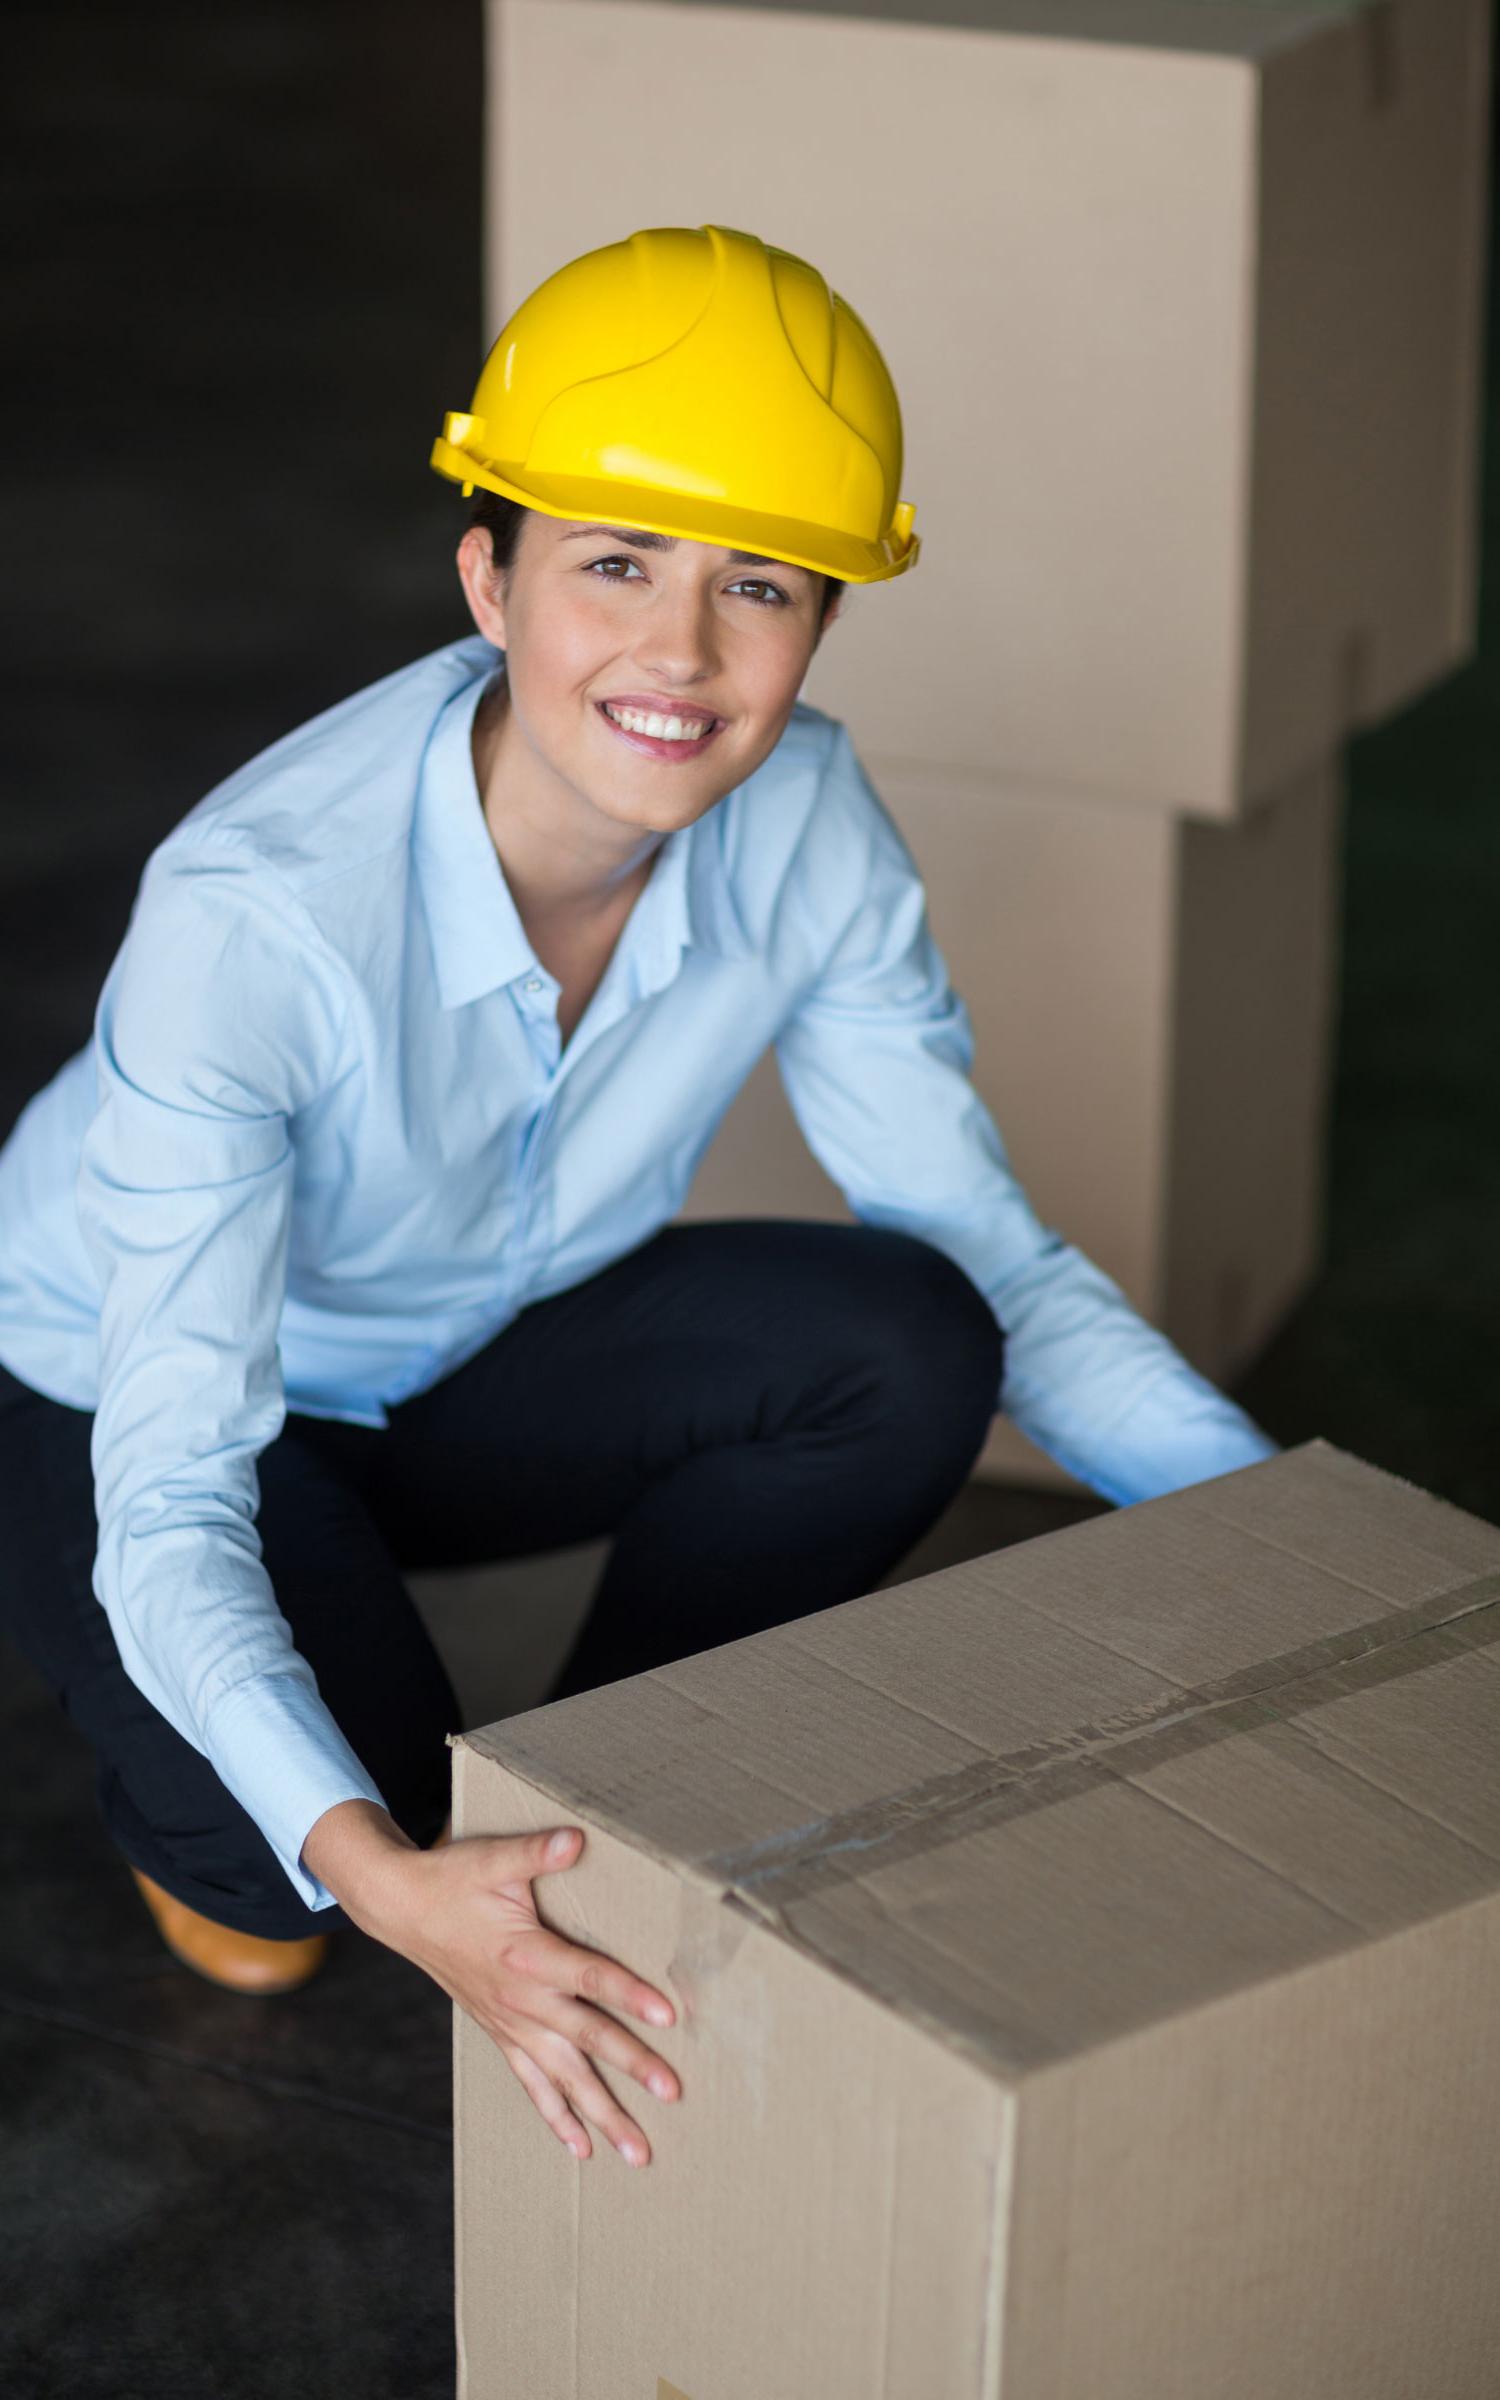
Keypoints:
(252, 284)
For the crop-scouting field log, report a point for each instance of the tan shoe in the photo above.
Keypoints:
(237, 1962)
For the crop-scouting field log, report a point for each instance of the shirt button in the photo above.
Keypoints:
(533, 983)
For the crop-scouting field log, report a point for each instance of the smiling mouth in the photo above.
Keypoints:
(657, 725)
(672, 737)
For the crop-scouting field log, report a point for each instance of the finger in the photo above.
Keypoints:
(564, 1966)
(612, 2045)
(549, 2102)
(587, 2094)
(526, 1855)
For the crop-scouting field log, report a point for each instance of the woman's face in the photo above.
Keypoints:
(648, 676)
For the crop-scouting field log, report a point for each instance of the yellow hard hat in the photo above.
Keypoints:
(696, 383)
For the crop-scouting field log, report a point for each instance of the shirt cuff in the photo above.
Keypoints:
(273, 1744)
(1181, 1433)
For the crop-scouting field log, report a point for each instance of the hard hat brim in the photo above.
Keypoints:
(686, 518)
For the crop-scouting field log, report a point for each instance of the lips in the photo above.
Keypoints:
(669, 721)
(643, 710)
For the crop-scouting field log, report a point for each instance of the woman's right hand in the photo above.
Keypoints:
(464, 1912)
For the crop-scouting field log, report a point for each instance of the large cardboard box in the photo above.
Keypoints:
(1183, 299)
(1153, 1005)
(1086, 1963)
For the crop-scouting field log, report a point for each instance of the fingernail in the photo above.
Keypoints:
(659, 2013)
(633, 2152)
(662, 2086)
(558, 1844)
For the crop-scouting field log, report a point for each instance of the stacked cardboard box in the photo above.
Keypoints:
(1183, 301)
(1085, 1963)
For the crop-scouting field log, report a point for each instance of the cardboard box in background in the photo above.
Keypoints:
(1086, 1964)
(1153, 1009)
(1183, 303)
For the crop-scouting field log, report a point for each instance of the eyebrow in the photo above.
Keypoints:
(664, 541)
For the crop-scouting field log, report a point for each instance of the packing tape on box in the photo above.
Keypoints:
(771, 1875)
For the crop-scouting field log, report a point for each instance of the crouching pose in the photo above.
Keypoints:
(347, 1249)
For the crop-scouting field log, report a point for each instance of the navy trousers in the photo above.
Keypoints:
(763, 1416)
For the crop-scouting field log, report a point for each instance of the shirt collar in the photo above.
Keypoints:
(479, 943)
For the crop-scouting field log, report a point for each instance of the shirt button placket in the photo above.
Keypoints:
(525, 1222)
(542, 1032)
(540, 1021)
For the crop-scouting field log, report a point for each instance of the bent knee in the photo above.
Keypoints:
(935, 1331)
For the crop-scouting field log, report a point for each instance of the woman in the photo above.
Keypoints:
(346, 1249)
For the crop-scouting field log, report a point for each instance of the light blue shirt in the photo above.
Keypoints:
(327, 1144)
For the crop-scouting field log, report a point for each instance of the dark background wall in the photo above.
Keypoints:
(250, 289)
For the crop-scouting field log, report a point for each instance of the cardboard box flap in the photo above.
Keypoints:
(1016, 1657)
(1056, 1794)
(1247, 29)
(1109, 1891)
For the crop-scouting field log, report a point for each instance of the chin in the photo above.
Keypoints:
(656, 812)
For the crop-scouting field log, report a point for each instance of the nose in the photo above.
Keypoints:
(677, 637)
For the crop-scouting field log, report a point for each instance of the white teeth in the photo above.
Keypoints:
(659, 728)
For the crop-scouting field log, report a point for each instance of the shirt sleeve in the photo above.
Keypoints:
(876, 1066)
(220, 1018)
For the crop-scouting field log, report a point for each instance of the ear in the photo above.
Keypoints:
(483, 588)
